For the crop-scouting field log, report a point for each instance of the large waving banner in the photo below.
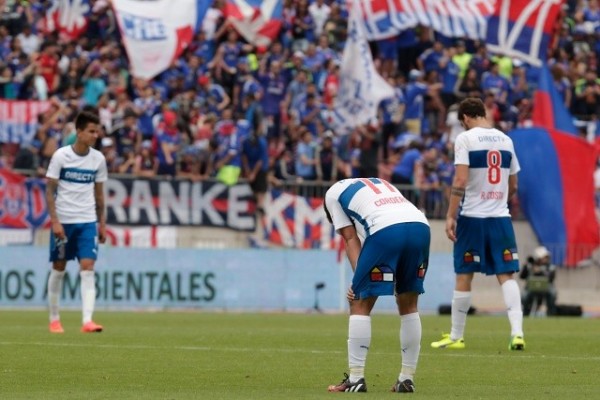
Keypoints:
(558, 203)
(19, 120)
(361, 86)
(453, 18)
(523, 28)
(549, 110)
(155, 34)
(517, 28)
(68, 17)
(258, 21)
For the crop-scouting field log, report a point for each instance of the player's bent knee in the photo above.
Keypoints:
(59, 265)
(407, 302)
(362, 306)
(87, 264)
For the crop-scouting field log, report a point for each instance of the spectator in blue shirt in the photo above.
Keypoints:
(146, 107)
(255, 168)
(306, 160)
(211, 96)
(450, 75)
(415, 92)
(227, 154)
(273, 87)
(310, 113)
(493, 82)
(404, 171)
(202, 47)
(314, 62)
(244, 85)
(296, 91)
(392, 113)
(255, 165)
(518, 83)
(327, 159)
(430, 59)
(168, 141)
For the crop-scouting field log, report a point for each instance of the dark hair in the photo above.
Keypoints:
(84, 118)
(472, 107)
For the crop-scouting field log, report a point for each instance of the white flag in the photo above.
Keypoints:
(155, 33)
(361, 87)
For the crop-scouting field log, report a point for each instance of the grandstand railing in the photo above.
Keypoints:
(433, 202)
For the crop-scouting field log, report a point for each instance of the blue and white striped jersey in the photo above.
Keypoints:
(371, 204)
(491, 158)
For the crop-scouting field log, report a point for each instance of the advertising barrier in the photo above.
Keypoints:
(233, 280)
(141, 206)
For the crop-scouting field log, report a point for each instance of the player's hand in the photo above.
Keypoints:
(101, 233)
(451, 228)
(58, 230)
(350, 295)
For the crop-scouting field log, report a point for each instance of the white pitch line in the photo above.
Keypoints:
(280, 350)
(188, 348)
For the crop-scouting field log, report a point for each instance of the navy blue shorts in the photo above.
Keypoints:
(392, 261)
(82, 242)
(485, 245)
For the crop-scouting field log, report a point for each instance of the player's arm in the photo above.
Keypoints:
(513, 185)
(100, 215)
(457, 192)
(57, 228)
(353, 245)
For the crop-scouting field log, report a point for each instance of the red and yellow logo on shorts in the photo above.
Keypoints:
(510, 255)
(471, 257)
(422, 271)
(382, 273)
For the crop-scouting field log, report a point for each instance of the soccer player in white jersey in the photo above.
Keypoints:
(483, 235)
(75, 197)
(387, 243)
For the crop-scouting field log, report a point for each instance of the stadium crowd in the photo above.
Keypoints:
(194, 118)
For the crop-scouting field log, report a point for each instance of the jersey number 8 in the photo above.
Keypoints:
(494, 161)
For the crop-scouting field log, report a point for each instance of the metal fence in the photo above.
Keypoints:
(433, 203)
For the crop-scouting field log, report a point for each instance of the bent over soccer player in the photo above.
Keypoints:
(483, 236)
(75, 197)
(387, 243)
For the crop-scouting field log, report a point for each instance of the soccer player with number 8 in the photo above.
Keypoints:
(479, 222)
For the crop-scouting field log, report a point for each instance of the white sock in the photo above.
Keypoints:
(88, 294)
(512, 299)
(461, 302)
(359, 340)
(410, 345)
(55, 284)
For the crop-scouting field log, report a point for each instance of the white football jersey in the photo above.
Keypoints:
(371, 204)
(76, 175)
(490, 155)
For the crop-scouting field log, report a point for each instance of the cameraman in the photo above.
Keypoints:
(539, 274)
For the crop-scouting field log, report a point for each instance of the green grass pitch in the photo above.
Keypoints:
(198, 355)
